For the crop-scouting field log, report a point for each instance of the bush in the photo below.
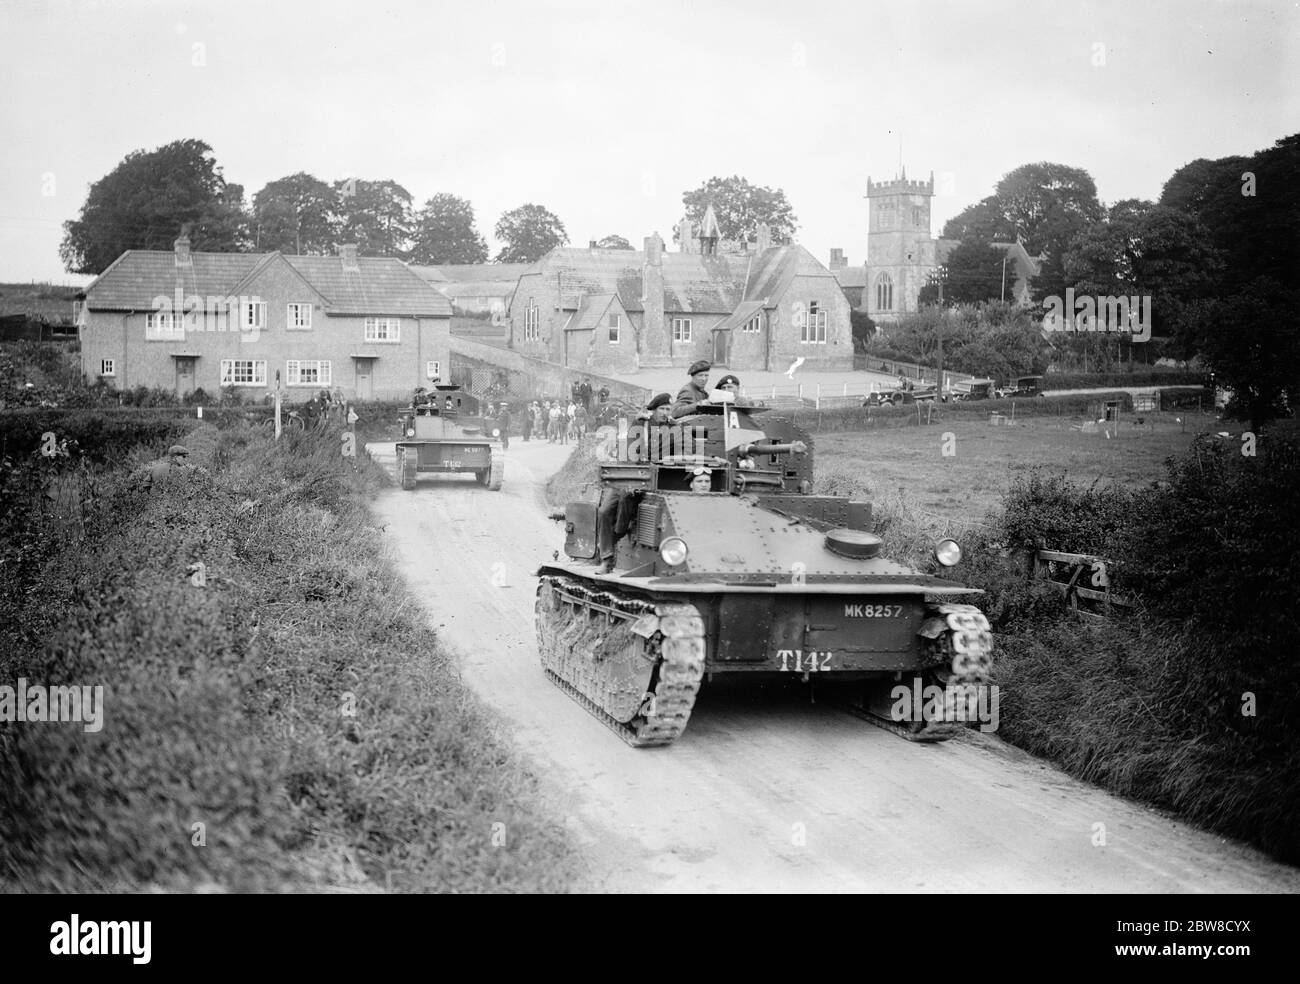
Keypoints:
(225, 703)
(1138, 376)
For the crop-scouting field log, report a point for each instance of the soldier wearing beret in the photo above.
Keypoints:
(694, 392)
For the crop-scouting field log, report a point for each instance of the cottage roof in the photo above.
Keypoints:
(379, 285)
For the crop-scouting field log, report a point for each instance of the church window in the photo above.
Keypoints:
(884, 292)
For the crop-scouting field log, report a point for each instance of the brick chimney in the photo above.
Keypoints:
(838, 260)
(182, 248)
(654, 336)
(764, 238)
(348, 253)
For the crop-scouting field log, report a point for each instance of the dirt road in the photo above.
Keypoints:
(765, 791)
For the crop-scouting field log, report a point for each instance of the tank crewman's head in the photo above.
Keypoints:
(701, 479)
(699, 373)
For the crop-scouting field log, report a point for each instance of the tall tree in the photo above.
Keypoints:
(740, 206)
(972, 274)
(1151, 250)
(1250, 342)
(144, 201)
(613, 242)
(983, 222)
(297, 214)
(376, 215)
(529, 233)
(445, 233)
(1250, 208)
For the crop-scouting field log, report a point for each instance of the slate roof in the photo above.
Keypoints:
(465, 273)
(745, 311)
(693, 282)
(590, 314)
(381, 286)
(851, 276)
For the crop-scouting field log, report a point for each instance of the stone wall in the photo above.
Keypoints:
(531, 377)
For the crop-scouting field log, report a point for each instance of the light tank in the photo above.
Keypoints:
(445, 430)
(754, 576)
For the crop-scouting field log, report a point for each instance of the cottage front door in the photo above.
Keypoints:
(365, 382)
(184, 377)
(721, 348)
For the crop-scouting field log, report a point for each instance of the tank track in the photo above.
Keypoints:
(962, 651)
(407, 462)
(663, 643)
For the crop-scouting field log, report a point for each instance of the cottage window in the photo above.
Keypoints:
(433, 370)
(532, 322)
(753, 324)
(884, 292)
(615, 323)
(299, 317)
(243, 372)
(301, 372)
(383, 330)
(163, 326)
(107, 367)
(253, 315)
(681, 329)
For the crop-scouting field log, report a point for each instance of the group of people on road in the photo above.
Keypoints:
(555, 421)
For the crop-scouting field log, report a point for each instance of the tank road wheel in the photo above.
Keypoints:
(959, 642)
(497, 474)
(407, 459)
(634, 664)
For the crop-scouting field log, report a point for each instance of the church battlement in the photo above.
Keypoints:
(900, 186)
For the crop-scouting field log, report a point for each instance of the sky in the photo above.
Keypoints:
(606, 112)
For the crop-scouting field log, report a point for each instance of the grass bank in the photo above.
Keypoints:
(280, 718)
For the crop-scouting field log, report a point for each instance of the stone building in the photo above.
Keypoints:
(902, 256)
(743, 306)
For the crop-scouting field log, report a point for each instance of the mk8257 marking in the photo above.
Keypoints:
(664, 586)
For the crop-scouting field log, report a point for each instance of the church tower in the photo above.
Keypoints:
(901, 254)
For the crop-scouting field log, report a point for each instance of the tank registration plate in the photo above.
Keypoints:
(873, 611)
(797, 661)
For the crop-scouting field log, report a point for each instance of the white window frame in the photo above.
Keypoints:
(384, 330)
(433, 370)
(252, 315)
(681, 329)
(163, 326)
(812, 324)
(107, 367)
(294, 320)
(754, 324)
(258, 372)
(614, 328)
(532, 323)
(322, 368)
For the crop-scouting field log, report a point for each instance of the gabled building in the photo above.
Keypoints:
(364, 327)
(753, 306)
(474, 288)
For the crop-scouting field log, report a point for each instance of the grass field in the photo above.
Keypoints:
(964, 486)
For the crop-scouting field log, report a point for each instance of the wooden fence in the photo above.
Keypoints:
(1077, 569)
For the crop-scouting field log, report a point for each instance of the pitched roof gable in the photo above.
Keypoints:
(382, 286)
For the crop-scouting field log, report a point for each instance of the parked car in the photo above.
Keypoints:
(896, 397)
(1023, 386)
(972, 389)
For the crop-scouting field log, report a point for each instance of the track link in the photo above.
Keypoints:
(670, 640)
(962, 648)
